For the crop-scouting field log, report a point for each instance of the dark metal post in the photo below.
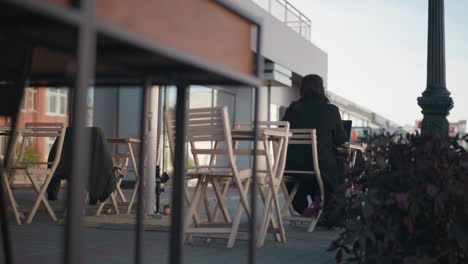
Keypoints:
(253, 198)
(177, 224)
(436, 101)
(80, 145)
(20, 85)
(6, 240)
(142, 171)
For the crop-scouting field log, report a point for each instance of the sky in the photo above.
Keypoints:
(377, 52)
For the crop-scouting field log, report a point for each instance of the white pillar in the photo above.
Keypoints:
(151, 149)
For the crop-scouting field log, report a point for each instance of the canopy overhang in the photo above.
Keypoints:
(168, 41)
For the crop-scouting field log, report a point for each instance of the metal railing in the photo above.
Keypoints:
(288, 14)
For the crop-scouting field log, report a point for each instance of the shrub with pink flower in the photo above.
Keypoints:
(409, 204)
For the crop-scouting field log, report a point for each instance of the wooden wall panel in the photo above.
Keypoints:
(199, 27)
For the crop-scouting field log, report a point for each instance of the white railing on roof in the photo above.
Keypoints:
(288, 14)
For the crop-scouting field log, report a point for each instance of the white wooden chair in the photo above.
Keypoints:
(210, 125)
(302, 137)
(41, 169)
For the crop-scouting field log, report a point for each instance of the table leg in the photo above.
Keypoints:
(137, 177)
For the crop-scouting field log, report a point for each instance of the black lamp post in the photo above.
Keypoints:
(436, 101)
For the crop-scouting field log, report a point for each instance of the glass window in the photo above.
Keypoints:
(200, 97)
(57, 101)
(49, 142)
(63, 104)
(223, 98)
(274, 112)
(23, 103)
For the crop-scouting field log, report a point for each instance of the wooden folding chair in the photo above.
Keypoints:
(41, 169)
(273, 140)
(117, 163)
(302, 137)
(210, 125)
(128, 160)
(7, 173)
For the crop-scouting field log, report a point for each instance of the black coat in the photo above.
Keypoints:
(314, 112)
(101, 181)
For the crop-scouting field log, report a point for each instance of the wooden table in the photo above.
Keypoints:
(351, 149)
(274, 142)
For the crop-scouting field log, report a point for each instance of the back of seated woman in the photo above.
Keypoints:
(313, 110)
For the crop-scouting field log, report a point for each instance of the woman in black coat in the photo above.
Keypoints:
(313, 110)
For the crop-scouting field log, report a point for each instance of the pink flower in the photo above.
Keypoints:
(432, 190)
(401, 199)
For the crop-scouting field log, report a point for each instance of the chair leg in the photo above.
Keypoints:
(242, 193)
(266, 216)
(119, 190)
(99, 209)
(135, 189)
(205, 200)
(289, 198)
(227, 217)
(40, 198)
(220, 205)
(196, 217)
(114, 203)
(237, 218)
(11, 198)
(277, 208)
(193, 205)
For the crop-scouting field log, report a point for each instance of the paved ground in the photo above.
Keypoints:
(42, 241)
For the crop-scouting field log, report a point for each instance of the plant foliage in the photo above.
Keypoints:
(408, 203)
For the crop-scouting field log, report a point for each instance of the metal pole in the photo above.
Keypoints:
(436, 101)
(141, 169)
(6, 238)
(5, 226)
(177, 225)
(80, 145)
(253, 200)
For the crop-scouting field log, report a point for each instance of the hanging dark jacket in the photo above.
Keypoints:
(101, 182)
(314, 112)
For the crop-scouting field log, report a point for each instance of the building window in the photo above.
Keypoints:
(29, 102)
(57, 101)
(49, 142)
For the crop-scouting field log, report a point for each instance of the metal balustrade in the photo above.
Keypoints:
(288, 14)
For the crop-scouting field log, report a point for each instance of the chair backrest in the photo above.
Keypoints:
(44, 130)
(278, 126)
(7, 135)
(271, 125)
(203, 125)
(307, 137)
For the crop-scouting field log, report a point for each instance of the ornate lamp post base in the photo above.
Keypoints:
(435, 111)
(435, 100)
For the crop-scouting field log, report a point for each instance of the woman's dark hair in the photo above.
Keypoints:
(312, 85)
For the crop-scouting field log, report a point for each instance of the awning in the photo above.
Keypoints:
(171, 41)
